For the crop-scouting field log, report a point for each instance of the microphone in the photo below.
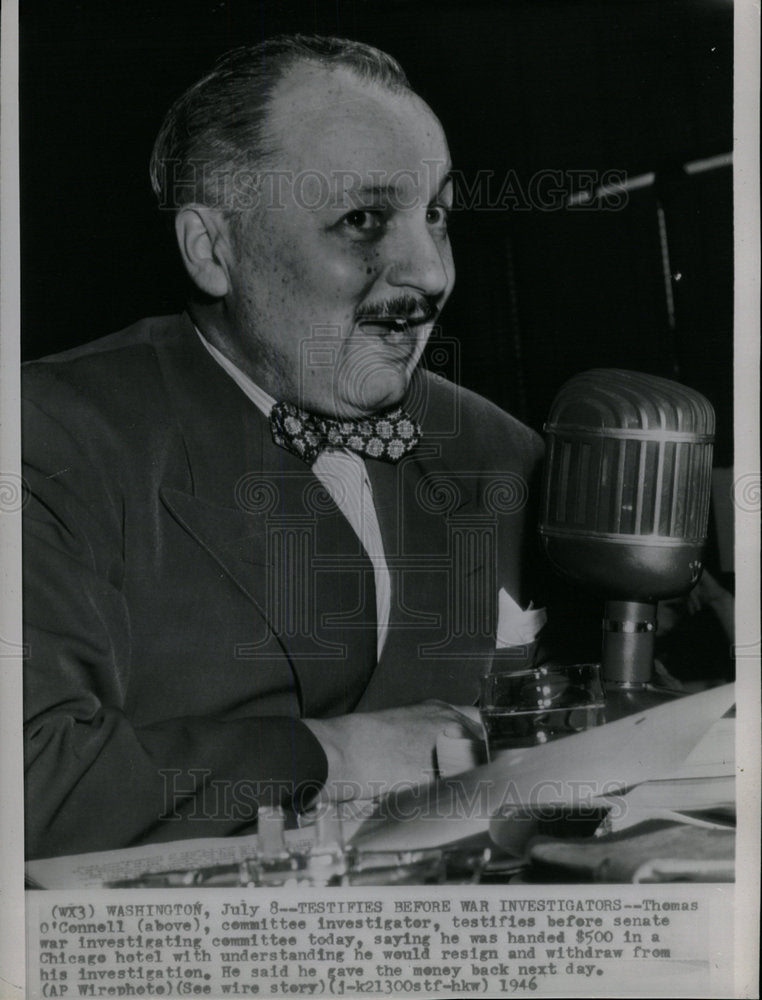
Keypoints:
(625, 502)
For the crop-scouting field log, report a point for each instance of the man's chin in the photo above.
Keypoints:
(380, 391)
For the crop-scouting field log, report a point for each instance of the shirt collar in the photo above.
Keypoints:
(262, 400)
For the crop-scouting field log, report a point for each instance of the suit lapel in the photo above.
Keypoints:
(266, 519)
(440, 551)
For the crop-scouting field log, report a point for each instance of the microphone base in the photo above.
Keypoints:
(629, 698)
(627, 663)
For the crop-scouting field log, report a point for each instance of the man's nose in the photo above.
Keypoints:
(420, 260)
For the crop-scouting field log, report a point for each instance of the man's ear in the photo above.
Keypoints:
(204, 245)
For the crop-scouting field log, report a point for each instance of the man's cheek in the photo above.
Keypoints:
(351, 275)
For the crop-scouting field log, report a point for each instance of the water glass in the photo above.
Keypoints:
(527, 708)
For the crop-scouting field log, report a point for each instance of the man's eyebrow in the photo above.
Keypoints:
(375, 189)
(392, 189)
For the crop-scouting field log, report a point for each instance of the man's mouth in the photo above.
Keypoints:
(393, 329)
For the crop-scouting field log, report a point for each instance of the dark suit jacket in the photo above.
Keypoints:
(191, 591)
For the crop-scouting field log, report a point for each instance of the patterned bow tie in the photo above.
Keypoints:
(387, 436)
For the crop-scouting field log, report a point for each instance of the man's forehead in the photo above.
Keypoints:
(364, 134)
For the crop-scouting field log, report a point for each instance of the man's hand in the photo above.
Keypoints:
(370, 753)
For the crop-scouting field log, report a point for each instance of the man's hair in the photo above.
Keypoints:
(214, 139)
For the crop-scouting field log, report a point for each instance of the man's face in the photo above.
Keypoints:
(341, 271)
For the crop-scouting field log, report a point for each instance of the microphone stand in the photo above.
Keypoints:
(629, 629)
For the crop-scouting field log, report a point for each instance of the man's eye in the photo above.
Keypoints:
(437, 215)
(363, 220)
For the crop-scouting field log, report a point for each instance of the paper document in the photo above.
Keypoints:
(703, 784)
(573, 771)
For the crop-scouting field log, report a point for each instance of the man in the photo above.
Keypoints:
(249, 575)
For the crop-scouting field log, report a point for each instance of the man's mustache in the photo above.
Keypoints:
(409, 308)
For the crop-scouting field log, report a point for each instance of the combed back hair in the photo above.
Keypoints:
(214, 139)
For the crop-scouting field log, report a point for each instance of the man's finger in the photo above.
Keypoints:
(470, 720)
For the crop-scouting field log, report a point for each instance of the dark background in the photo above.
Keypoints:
(631, 86)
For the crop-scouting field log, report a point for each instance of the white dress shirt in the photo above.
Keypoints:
(343, 474)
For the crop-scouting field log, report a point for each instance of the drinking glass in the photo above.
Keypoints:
(527, 708)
